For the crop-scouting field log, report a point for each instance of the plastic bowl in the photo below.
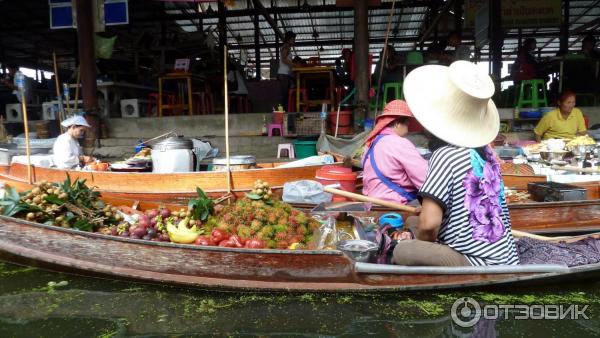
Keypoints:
(530, 114)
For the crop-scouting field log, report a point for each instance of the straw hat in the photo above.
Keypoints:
(454, 103)
(393, 110)
(75, 120)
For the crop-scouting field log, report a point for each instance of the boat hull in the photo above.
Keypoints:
(223, 268)
(164, 187)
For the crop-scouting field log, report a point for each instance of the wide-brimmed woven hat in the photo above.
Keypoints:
(454, 103)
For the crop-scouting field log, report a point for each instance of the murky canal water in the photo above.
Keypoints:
(37, 303)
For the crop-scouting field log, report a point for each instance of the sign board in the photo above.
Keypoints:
(62, 13)
(519, 13)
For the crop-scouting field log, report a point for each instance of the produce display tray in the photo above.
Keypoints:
(553, 191)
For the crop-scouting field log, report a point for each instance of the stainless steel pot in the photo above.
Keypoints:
(359, 250)
(174, 142)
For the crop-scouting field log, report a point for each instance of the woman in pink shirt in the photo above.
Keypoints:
(393, 169)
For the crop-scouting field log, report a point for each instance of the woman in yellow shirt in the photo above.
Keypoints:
(566, 121)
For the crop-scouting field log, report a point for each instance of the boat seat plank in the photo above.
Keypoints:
(360, 267)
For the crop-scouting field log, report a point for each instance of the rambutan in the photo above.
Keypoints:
(256, 225)
(244, 232)
(262, 236)
(296, 239)
(271, 218)
(301, 230)
(224, 226)
(279, 228)
(267, 230)
(280, 236)
(282, 245)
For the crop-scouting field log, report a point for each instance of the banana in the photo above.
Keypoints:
(181, 234)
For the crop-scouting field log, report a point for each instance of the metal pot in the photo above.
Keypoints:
(553, 155)
(174, 142)
(581, 150)
(237, 162)
(359, 250)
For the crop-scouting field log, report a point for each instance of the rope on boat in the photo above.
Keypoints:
(226, 109)
(384, 56)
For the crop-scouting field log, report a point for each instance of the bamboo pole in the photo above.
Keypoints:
(384, 57)
(61, 112)
(77, 89)
(226, 109)
(20, 85)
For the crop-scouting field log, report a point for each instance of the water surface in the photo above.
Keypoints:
(38, 303)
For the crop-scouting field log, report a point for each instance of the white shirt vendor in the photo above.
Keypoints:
(67, 151)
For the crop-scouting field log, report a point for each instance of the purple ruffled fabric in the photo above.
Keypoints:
(482, 200)
(533, 251)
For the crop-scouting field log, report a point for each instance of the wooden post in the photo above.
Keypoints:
(87, 57)
(496, 39)
(257, 45)
(361, 43)
(87, 66)
(222, 28)
(564, 28)
(226, 109)
(458, 14)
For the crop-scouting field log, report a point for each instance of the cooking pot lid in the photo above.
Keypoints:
(175, 142)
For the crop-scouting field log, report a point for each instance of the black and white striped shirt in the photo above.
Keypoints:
(448, 167)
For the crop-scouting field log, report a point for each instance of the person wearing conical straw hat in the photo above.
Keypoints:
(67, 153)
(464, 219)
(393, 169)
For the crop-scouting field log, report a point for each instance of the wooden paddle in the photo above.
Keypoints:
(397, 206)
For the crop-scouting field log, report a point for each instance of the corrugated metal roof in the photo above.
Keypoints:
(25, 35)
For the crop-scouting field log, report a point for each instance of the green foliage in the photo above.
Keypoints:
(12, 203)
(79, 193)
(201, 207)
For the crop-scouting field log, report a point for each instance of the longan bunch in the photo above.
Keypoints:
(262, 189)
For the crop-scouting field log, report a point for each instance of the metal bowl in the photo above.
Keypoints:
(553, 155)
(581, 150)
(359, 250)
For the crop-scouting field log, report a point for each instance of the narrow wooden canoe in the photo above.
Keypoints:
(246, 269)
(164, 187)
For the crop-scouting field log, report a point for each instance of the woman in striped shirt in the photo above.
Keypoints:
(464, 219)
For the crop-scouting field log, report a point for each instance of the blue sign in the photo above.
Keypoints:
(116, 12)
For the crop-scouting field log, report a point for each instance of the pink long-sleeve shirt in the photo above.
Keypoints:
(397, 159)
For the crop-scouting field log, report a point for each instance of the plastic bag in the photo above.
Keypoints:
(305, 191)
(104, 46)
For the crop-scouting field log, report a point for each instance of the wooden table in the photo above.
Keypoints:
(316, 71)
(188, 78)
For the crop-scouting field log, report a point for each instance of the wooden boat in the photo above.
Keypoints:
(247, 269)
(160, 187)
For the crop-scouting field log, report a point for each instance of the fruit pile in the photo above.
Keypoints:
(261, 191)
(68, 205)
(153, 225)
(259, 224)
